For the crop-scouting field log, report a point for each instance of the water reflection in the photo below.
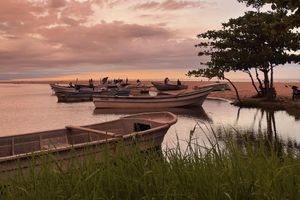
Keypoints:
(269, 136)
(29, 108)
(192, 112)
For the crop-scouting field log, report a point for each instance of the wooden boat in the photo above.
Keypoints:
(77, 87)
(167, 86)
(194, 97)
(75, 96)
(146, 130)
(86, 95)
(61, 88)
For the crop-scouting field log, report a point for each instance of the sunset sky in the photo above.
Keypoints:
(137, 38)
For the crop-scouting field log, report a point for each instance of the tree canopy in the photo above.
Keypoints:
(257, 40)
(291, 8)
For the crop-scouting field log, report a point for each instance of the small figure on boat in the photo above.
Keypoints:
(71, 85)
(138, 82)
(296, 93)
(91, 83)
(178, 82)
(104, 80)
(166, 80)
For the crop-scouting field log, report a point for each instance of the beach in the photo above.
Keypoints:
(245, 89)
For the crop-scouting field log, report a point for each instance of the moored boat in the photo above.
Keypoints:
(61, 88)
(194, 97)
(146, 130)
(77, 87)
(86, 95)
(167, 86)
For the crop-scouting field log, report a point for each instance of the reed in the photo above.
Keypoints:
(233, 165)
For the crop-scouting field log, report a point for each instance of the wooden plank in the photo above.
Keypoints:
(93, 131)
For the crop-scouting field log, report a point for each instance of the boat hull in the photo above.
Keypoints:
(143, 131)
(69, 97)
(168, 101)
(97, 150)
(82, 96)
(61, 88)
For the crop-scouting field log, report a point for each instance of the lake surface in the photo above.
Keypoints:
(26, 108)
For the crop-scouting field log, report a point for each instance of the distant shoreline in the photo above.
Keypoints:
(145, 80)
(246, 91)
(245, 88)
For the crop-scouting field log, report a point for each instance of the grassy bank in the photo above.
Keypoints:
(233, 167)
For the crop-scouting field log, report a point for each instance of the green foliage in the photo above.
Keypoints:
(276, 4)
(285, 6)
(253, 40)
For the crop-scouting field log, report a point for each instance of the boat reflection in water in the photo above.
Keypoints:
(196, 112)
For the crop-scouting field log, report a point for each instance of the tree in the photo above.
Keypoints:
(292, 5)
(256, 41)
(280, 6)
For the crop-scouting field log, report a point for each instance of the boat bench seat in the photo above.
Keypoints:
(85, 129)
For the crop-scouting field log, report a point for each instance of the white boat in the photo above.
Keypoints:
(146, 130)
(184, 98)
(61, 88)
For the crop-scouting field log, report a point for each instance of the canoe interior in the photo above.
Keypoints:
(64, 138)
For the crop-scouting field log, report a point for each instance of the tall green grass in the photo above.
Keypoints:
(230, 167)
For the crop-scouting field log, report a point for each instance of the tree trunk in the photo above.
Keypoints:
(252, 81)
(235, 89)
(259, 81)
(271, 82)
(273, 91)
(268, 91)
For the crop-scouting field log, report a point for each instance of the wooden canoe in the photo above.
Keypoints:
(194, 97)
(146, 130)
(167, 86)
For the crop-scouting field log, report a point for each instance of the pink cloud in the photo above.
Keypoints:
(171, 5)
(53, 35)
(57, 3)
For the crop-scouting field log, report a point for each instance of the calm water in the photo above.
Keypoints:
(32, 107)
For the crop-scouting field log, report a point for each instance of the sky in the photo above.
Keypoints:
(61, 39)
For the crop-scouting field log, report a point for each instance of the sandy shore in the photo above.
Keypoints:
(245, 89)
